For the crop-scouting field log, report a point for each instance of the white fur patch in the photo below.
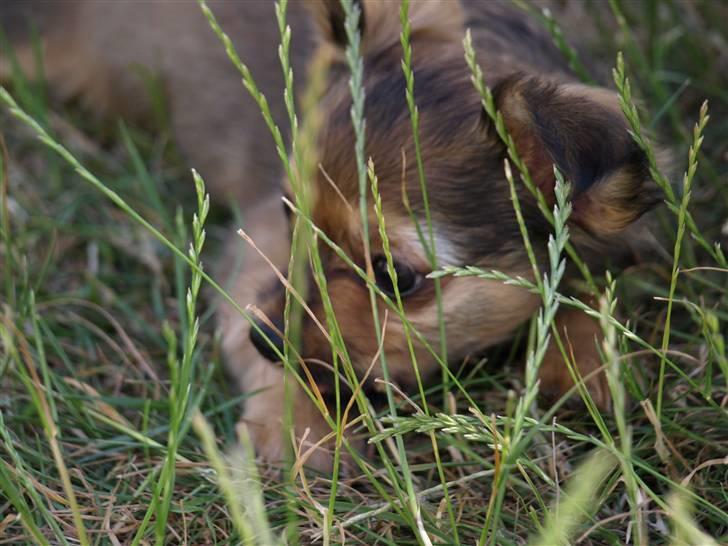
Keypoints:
(408, 238)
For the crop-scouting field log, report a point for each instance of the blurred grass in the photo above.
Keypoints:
(83, 358)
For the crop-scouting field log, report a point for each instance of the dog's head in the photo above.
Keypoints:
(579, 129)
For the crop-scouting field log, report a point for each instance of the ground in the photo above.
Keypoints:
(93, 312)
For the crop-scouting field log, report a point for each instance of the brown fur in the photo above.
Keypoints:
(552, 118)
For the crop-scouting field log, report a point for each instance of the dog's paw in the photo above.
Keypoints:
(556, 381)
(310, 439)
(579, 335)
(266, 434)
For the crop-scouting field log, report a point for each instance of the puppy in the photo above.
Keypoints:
(553, 119)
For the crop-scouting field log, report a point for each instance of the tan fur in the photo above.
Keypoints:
(608, 218)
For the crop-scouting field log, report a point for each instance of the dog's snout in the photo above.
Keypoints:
(266, 339)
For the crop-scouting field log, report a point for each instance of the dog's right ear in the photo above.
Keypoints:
(582, 131)
(331, 20)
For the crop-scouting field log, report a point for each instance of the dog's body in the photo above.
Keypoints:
(91, 45)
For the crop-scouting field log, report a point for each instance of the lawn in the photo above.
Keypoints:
(117, 422)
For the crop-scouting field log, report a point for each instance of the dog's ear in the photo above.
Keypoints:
(379, 23)
(330, 19)
(582, 131)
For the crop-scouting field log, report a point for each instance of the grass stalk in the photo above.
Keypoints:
(181, 374)
(427, 244)
(630, 111)
(547, 288)
(297, 266)
(616, 388)
(681, 222)
(356, 84)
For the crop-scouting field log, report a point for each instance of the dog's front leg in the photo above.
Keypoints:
(263, 380)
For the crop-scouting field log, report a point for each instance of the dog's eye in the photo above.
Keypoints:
(408, 280)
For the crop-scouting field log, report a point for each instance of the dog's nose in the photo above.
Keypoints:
(264, 345)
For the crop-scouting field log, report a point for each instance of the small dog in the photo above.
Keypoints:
(552, 118)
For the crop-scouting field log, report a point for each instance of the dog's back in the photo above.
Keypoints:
(103, 52)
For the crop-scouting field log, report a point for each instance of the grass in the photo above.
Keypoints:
(116, 422)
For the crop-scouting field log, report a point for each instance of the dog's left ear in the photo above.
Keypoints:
(330, 18)
(379, 25)
(583, 132)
